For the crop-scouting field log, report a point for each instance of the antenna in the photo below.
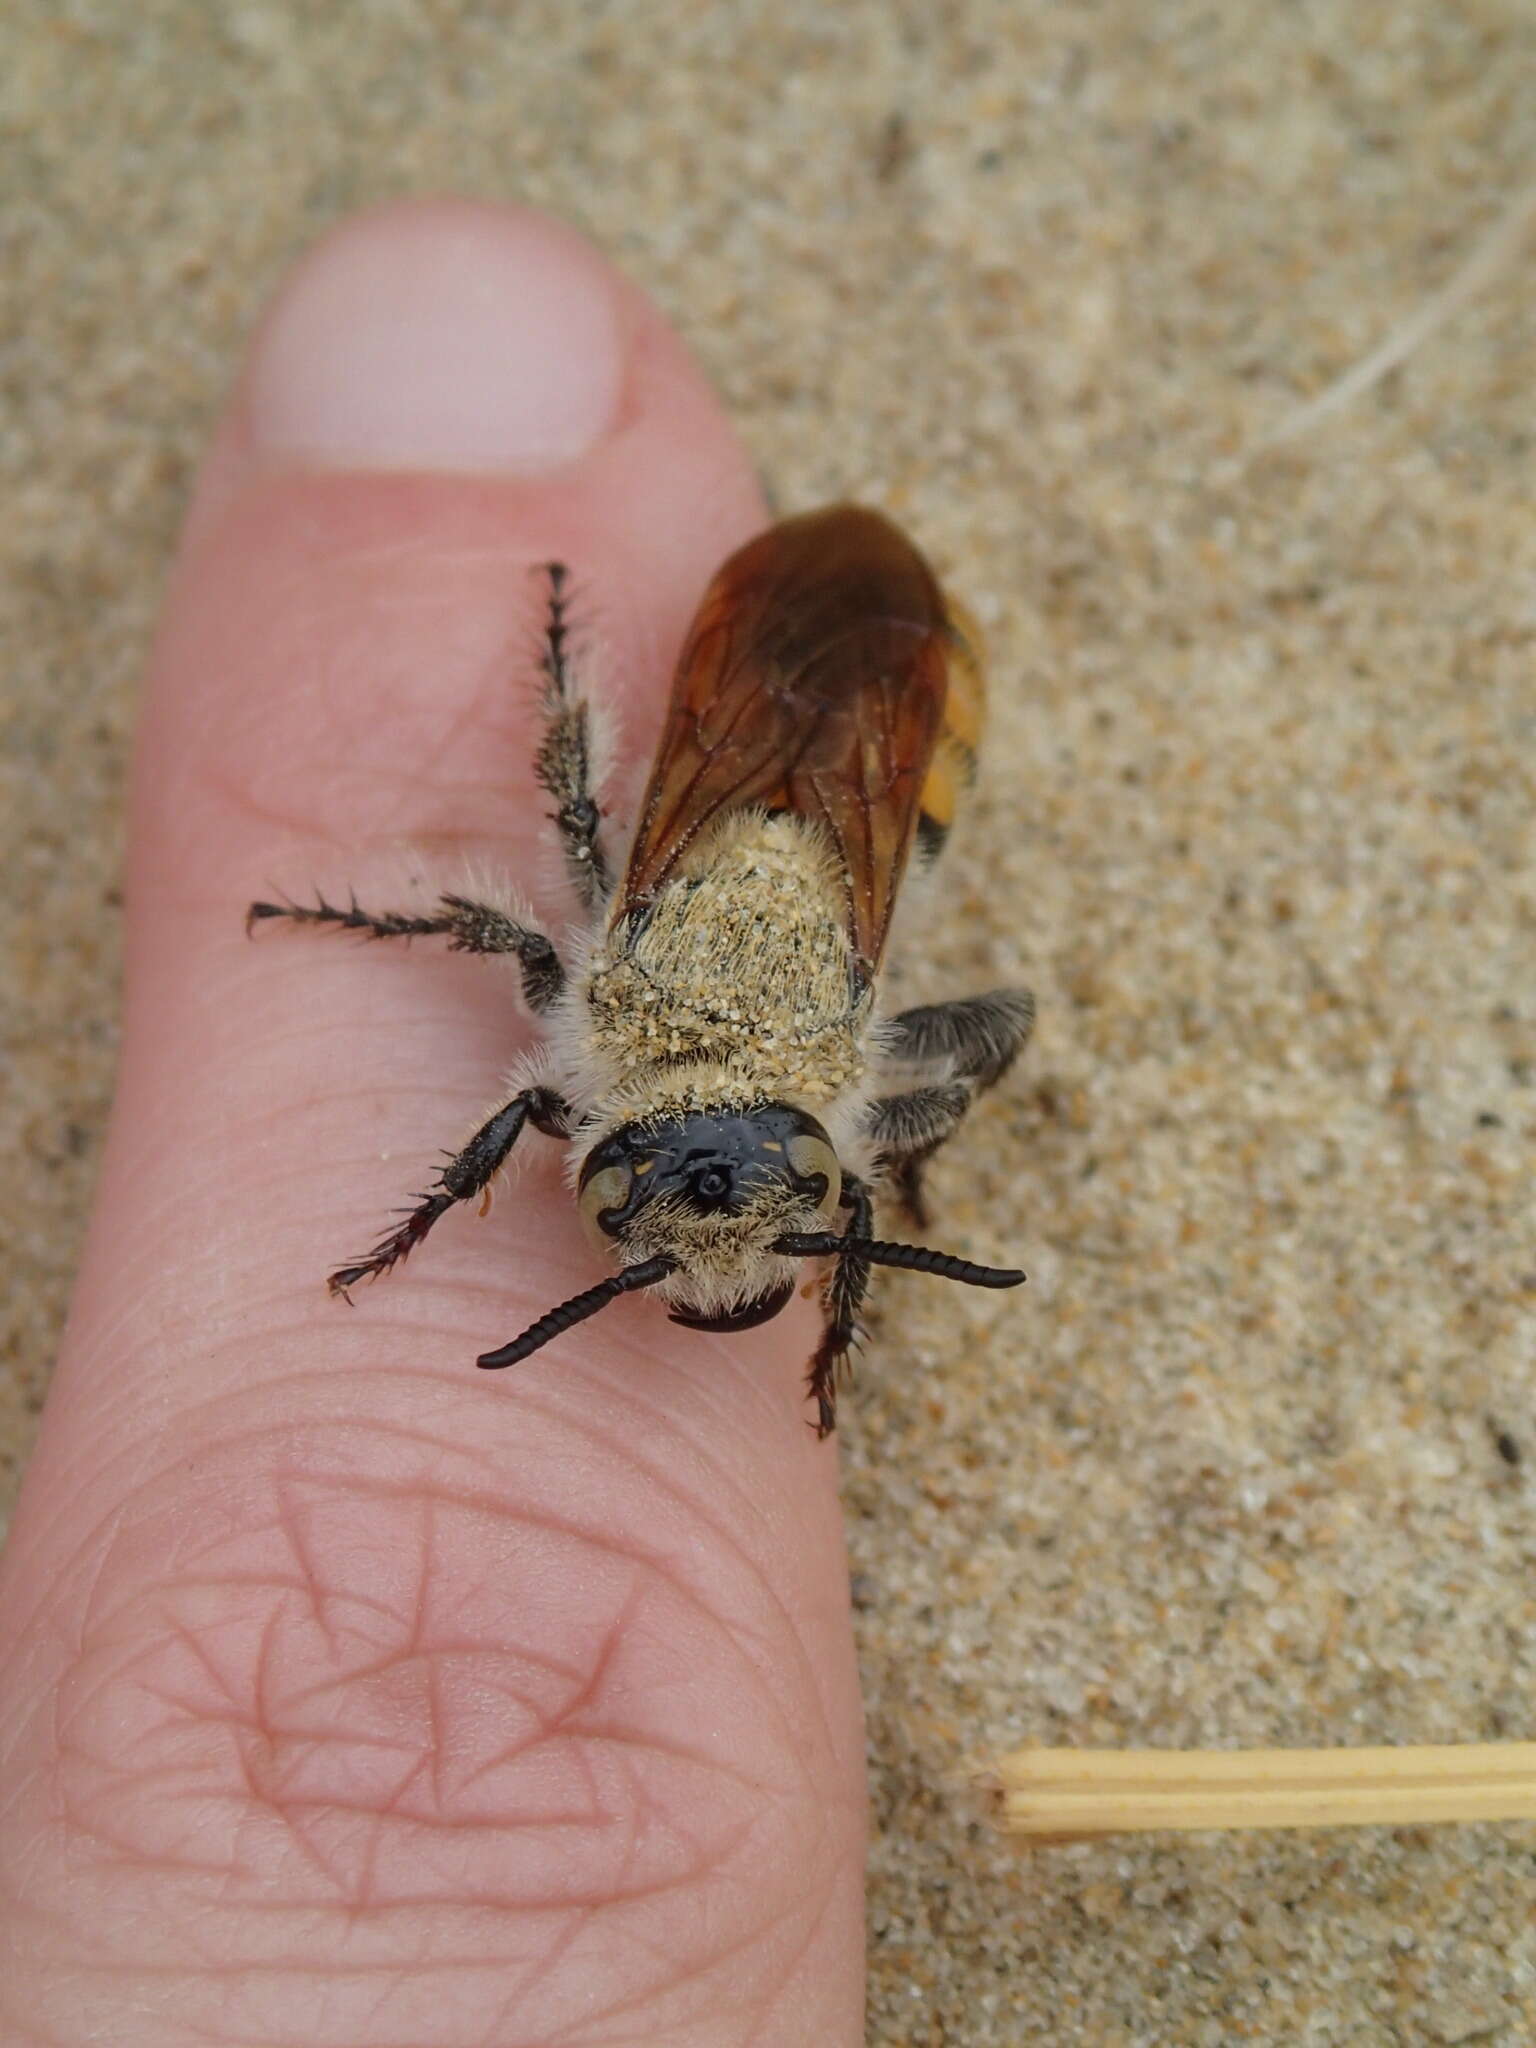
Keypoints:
(576, 1310)
(912, 1258)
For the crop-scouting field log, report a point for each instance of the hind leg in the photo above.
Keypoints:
(563, 764)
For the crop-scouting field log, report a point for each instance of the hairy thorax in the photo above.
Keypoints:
(740, 966)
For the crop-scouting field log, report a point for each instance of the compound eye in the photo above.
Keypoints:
(814, 1160)
(604, 1195)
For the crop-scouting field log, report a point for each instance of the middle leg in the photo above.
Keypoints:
(469, 927)
(973, 1038)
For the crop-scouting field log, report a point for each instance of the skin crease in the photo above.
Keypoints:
(350, 1695)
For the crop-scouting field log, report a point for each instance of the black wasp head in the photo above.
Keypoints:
(709, 1189)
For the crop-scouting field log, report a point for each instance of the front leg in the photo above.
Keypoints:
(470, 927)
(950, 1051)
(466, 1175)
(910, 1128)
(845, 1297)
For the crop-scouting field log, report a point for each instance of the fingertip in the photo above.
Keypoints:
(350, 587)
(441, 336)
(452, 337)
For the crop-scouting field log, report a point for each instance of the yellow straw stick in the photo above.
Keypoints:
(1067, 1794)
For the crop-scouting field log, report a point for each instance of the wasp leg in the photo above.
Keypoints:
(910, 1128)
(966, 1045)
(845, 1297)
(466, 1175)
(976, 1038)
(469, 927)
(563, 764)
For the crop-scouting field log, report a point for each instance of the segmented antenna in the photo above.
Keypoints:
(912, 1258)
(576, 1310)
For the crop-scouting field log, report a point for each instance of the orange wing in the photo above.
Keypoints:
(813, 681)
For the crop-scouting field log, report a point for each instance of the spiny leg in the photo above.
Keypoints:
(910, 1128)
(563, 764)
(465, 1176)
(470, 927)
(845, 1297)
(974, 1038)
(971, 1043)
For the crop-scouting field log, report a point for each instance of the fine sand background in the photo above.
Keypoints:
(1256, 826)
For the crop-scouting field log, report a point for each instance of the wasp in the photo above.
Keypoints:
(716, 1057)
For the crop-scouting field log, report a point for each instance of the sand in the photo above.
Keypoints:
(1251, 1461)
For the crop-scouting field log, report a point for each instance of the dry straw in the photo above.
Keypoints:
(1495, 251)
(1069, 1794)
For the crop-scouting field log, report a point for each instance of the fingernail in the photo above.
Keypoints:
(440, 337)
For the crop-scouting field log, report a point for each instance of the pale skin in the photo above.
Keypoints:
(352, 1696)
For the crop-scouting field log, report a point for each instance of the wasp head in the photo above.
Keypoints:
(710, 1191)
